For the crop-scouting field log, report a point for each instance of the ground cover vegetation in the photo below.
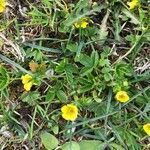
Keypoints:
(74, 74)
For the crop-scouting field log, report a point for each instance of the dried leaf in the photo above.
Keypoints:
(33, 66)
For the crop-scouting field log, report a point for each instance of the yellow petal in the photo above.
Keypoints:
(26, 78)
(64, 109)
(2, 5)
(71, 117)
(122, 96)
(82, 23)
(133, 4)
(1, 9)
(28, 86)
(146, 128)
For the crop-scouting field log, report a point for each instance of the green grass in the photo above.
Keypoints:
(86, 67)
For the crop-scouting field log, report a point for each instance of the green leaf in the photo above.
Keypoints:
(107, 77)
(89, 62)
(71, 68)
(49, 141)
(85, 88)
(35, 54)
(72, 47)
(4, 78)
(123, 69)
(55, 129)
(86, 70)
(91, 145)
(132, 142)
(50, 95)
(106, 70)
(96, 97)
(61, 67)
(115, 146)
(61, 96)
(95, 58)
(103, 62)
(131, 16)
(71, 146)
(85, 60)
(31, 97)
(72, 18)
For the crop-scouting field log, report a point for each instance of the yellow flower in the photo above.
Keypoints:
(2, 5)
(69, 112)
(122, 96)
(82, 23)
(28, 86)
(27, 81)
(146, 128)
(26, 78)
(133, 4)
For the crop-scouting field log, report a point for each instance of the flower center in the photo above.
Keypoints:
(122, 96)
(71, 111)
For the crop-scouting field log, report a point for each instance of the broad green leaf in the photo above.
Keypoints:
(106, 70)
(71, 146)
(85, 88)
(131, 16)
(115, 146)
(49, 141)
(70, 68)
(50, 95)
(55, 129)
(85, 60)
(36, 54)
(96, 97)
(4, 78)
(31, 97)
(123, 69)
(132, 142)
(61, 66)
(147, 35)
(86, 70)
(95, 58)
(89, 62)
(107, 77)
(61, 96)
(91, 145)
(104, 62)
(72, 47)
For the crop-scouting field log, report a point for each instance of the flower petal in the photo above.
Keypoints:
(26, 78)
(146, 128)
(28, 86)
(2, 5)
